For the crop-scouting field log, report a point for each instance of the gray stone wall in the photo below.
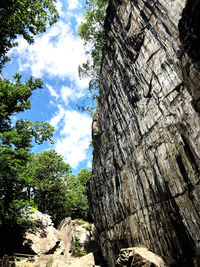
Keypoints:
(146, 132)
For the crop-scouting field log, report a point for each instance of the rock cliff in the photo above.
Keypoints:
(145, 185)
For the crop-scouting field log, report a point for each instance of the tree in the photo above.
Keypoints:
(18, 219)
(26, 18)
(45, 177)
(92, 32)
(83, 176)
(15, 98)
(57, 192)
(15, 146)
(16, 140)
(77, 203)
(14, 153)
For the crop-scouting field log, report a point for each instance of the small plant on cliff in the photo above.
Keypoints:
(79, 250)
(91, 30)
(88, 227)
(77, 244)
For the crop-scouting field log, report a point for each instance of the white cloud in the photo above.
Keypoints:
(52, 92)
(89, 164)
(57, 53)
(75, 137)
(73, 4)
(59, 7)
(66, 94)
(59, 115)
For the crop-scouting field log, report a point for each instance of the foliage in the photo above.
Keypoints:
(77, 244)
(78, 250)
(83, 176)
(26, 18)
(77, 203)
(15, 145)
(50, 184)
(14, 97)
(45, 183)
(18, 220)
(19, 213)
(88, 227)
(92, 32)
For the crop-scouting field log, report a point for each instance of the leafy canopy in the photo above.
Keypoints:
(50, 184)
(16, 138)
(23, 17)
(45, 183)
(77, 202)
(26, 18)
(14, 97)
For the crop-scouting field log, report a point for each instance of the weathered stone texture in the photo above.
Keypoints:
(62, 261)
(45, 239)
(145, 184)
(139, 257)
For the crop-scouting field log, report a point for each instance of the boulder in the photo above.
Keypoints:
(62, 261)
(51, 261)
(66, 238)
(139, 257)
(56, 246)
(85, 261)
(45, 238)
(82, 231)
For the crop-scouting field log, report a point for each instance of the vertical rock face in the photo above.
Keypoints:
(145, 184)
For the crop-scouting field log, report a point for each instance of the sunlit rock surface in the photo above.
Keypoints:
(62, 261)
(139, 257)
(145, 184)
(45, 238)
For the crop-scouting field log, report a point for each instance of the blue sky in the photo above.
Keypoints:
(54, 57)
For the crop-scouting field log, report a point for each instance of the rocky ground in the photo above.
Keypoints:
(73, 244)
